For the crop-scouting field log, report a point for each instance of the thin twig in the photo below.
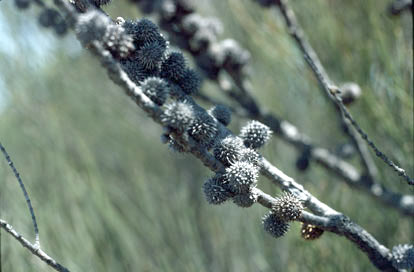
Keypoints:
(35, 249)
(330, 89)
(26, 195)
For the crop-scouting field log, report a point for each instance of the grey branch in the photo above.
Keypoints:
(286, 130)
(35, 249)
(377, 253)
(26, 195)
(331, 91)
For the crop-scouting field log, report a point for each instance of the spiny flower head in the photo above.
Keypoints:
(144, 31)
(117, 41)
(288, 207)
(47, 17)
(221, 113)
(241, 177)
(255, 134)
(190, 82)
(251, 156)
(228, 150)
(203, 129)
(91, 26)
(274, 225)
(215, 190)
(310, 232)
(174, 67)
(156, 89)
(403, 256)
(150, 55)
(178, 115)
(245, 200)
(135, 71)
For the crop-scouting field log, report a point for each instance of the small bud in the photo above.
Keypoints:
(178, 115)
(403, 257)
(204, 129)
(221, 113)
(190, 82)
(245, 200)
(255, 134)
(288, 207)
(156, 89)
(310, 232)
(241, 177)
(174, 67)
(215, 190)
(274, 225)
(228, 150)
(349, 92)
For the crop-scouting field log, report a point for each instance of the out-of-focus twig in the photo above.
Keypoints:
(399, 6)
(333, 92)
(26, 195)
(34, 248)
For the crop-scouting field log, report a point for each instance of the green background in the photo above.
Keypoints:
(109, 196)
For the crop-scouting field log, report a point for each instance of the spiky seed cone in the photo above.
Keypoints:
(204, 129)
(255, 134)
(174, 67)
(241, 177)
(403, 257)
(190, 82)
(310, 232)
(221, 113)
(245, 200)
(48, 17)
(215, 190)
(156, 89)
(150, 55)
(288, 207)
(228, 150)
(251, 156)
(178, 115)
(274, 225)
(144, 31)
(117, 41)
(135, 71)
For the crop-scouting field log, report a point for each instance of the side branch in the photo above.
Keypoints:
(34, 249)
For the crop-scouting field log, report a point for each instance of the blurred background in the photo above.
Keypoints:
(109, 196)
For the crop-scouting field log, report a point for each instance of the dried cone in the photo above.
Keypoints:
(310, 232)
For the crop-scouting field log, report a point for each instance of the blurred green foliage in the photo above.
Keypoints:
(110, 197)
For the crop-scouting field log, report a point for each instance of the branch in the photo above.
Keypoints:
(26, 195)
(187, 29)
(377, 253)
(35, 249)
(332, 91)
